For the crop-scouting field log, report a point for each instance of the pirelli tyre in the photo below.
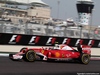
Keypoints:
(85, 59)
(29, 56)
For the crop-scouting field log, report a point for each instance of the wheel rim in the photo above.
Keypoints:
(30, 56)
(85, 59)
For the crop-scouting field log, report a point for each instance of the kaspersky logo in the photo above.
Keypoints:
(15, 39)
(34, 40)
(50, 41)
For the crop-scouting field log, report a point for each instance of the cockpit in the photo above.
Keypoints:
(63, 47)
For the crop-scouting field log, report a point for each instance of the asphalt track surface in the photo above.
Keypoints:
(9, 67)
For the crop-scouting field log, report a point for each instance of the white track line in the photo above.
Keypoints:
(4, 54)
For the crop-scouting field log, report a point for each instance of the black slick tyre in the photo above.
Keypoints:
(29, 56)
(85, 59)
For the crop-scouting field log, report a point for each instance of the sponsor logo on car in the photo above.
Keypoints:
(57, 54)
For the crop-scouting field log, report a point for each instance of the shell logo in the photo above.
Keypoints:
(57, 54)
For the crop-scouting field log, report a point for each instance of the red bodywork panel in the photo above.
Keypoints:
(60, 53)
(63, 54)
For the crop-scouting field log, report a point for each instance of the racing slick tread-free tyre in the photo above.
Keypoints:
(85, 59)
(29, 56)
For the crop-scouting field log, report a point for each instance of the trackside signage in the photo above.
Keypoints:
(15, 39)
(50, 41)
(34, 40)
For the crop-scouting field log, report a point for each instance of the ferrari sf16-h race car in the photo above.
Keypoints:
(62, 52)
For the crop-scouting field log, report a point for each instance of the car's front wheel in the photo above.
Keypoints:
(29, 56)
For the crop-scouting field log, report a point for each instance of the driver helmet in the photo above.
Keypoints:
(61, 46)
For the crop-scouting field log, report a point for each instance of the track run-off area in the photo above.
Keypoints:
(9, 67)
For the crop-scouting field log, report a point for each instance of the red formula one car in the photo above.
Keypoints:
(58, 53)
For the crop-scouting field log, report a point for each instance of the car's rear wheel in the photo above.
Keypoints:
(85, 59)
(29, 56)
